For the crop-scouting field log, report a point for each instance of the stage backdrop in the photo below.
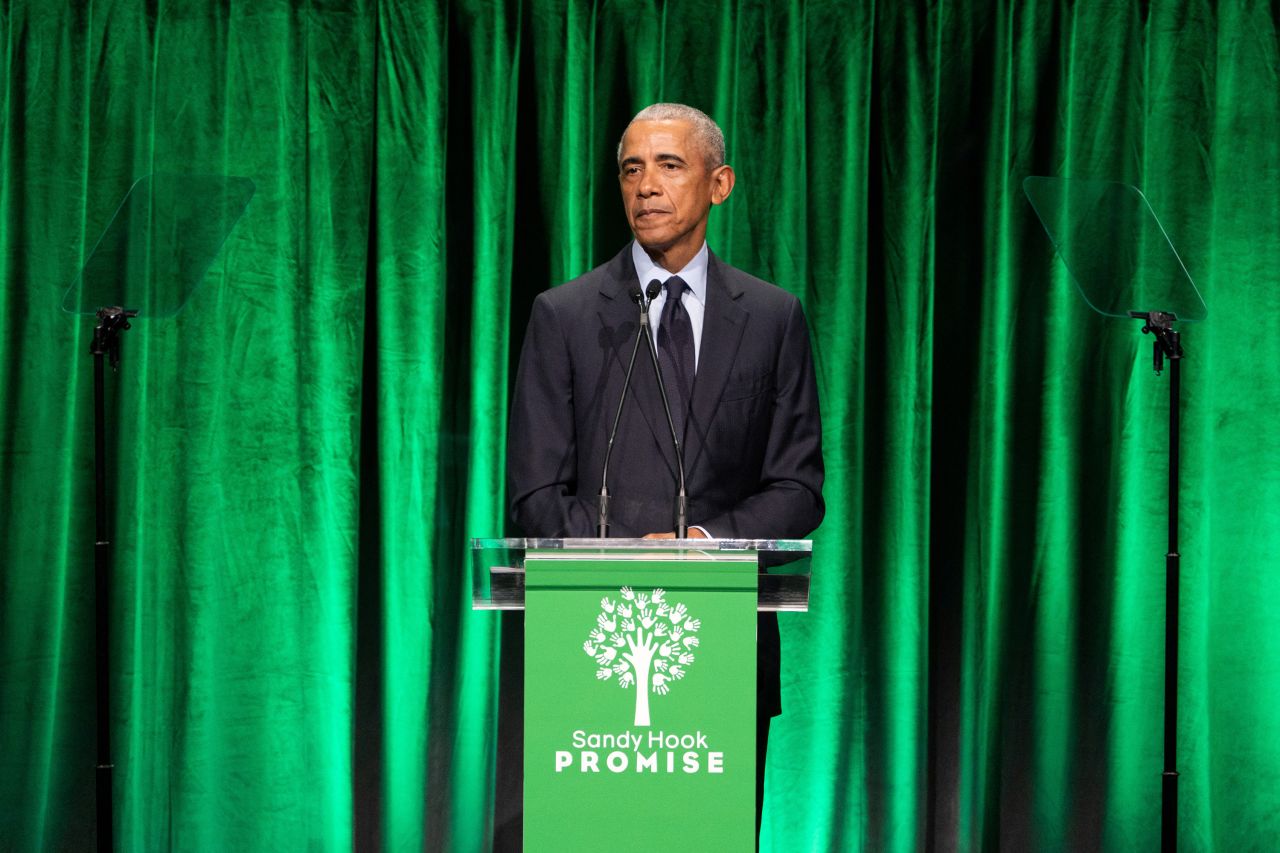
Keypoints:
(301, 455)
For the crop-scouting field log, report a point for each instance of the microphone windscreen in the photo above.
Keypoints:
(634, 292)
(655, 287)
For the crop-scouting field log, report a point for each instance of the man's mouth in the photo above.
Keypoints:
(643, 213)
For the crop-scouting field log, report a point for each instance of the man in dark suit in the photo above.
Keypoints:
(736, 364)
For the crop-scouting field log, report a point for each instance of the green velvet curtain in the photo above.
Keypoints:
(300, 456)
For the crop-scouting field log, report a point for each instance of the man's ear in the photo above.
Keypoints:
(722, 179)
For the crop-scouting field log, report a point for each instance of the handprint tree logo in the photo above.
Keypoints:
(644, 641)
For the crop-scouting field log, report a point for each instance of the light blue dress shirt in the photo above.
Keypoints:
(694, 300)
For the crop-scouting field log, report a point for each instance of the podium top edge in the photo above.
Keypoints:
(800, 546)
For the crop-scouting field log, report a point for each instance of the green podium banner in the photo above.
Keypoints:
(640, 689)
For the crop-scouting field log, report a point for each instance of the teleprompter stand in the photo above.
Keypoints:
(112, 322)
(1168, 345)
(156, 249)
(1124, 265)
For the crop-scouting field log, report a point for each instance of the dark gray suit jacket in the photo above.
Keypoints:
(753, 444)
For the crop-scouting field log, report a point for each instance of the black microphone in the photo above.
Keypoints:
(602, 517)
(682, 501)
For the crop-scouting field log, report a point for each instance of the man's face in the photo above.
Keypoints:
(667, 189)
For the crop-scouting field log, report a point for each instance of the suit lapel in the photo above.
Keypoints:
(619, 315)
(723, 322)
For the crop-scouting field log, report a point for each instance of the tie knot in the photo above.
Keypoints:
(675, 287)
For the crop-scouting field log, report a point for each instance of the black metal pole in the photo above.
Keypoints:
(1168, 345)
(105, 346)
(102, 593)
(1172, 567)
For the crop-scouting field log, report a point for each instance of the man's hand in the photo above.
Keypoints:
(694, 533)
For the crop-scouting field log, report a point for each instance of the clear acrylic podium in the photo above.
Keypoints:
(640, 683)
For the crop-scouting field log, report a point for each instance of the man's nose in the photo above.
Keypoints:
(647, 186)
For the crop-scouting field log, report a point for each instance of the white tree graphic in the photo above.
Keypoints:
(643, 640)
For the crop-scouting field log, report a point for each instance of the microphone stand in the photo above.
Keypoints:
(1168, 344)
(682, 501)
(602, 517)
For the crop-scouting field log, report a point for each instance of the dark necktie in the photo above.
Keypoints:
(675, 351)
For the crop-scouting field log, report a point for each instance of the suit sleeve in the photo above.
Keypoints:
(541, 449)
(788, 502)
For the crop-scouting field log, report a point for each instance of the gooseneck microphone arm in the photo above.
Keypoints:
(602, 517)
(682, 500)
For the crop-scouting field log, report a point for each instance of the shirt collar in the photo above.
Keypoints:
(694, 273)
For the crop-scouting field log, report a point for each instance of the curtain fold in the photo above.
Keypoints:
(299, 457)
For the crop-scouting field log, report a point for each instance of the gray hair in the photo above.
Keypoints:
(705, 130)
